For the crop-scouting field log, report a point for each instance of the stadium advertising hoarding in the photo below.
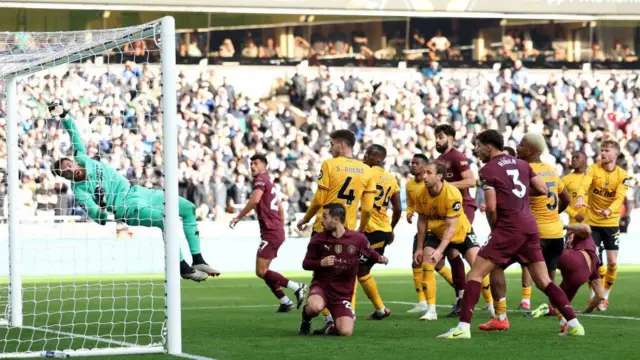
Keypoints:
(409, 7)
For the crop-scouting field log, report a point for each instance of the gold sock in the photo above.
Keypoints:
(486, 290)
(371, 289)
(610, 276)
(445, 272)
(417, 282)
(325, 312)
(602, 270)
(430, 280)
(526, 293)
(501, 308)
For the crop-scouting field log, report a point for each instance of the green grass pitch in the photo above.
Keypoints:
(232, 318)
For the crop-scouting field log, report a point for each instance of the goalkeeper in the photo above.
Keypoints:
(103, 190)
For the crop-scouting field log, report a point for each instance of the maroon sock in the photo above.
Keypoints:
(275, 288)
(276, 278)
(332, 330)
(469, 300)
(559, 299)
(457, 272)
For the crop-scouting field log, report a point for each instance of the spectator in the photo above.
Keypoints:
(250, 49)
(596, 53)
(617, 53)
(439, 45)
(226, 49)
(270, 50)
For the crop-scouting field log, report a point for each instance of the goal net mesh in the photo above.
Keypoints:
(85, 286)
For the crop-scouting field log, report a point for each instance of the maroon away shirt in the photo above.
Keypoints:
(510, 178)
(456, 163)
(267, 209)
(338, 280)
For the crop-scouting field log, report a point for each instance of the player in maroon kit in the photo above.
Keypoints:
(459, 174)
(265, 201)
(514, 233)
(578, 265)
(334, 257)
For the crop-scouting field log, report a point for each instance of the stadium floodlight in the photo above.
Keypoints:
(72, 287)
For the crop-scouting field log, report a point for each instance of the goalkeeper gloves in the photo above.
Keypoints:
(57, 108)
(99, 196)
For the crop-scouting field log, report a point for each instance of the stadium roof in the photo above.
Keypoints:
(550, 9)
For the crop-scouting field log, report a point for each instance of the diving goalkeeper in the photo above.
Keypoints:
(103, 190)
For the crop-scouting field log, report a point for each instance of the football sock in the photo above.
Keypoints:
(573, 322)
(327, 318)
(371, 289)
(326, 314)
(457, 271)
(306, 316)
(445, 272)
(285, 300)
(463, 325)
(559, 299)
(275, 289)
(501, 309)
(486, 290)
(276, 278)
(332, 330)
(469, 301)
(526, 294)
(610, 279)
(417, 282)
(187, 212)
(293, 285)
(602, 270)
(430, 280)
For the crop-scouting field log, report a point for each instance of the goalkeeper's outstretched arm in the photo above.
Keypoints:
(94, 211)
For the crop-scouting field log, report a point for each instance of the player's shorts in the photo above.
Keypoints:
(337, 307)
(575, 271)
(552, 250)
(269, 245)
(506, 247)
(378, 241)
(470, 211)
(607, 238)
(469, 242)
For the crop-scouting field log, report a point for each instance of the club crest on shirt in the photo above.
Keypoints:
(606, 184)
(351, 249)
(457, 205)
(338, 248)
(434, 207)
(625, 182)
(321, 174)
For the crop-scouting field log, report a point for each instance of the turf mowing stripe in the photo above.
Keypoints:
(391, 302)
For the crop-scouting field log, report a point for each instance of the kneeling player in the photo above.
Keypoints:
(578, 265)
(271, 219)
(441, 212)
(334, 257)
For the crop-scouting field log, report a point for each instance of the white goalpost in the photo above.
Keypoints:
(69, 286)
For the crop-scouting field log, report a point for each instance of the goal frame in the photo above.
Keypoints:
(171, 234)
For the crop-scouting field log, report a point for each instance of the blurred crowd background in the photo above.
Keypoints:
(118, 113)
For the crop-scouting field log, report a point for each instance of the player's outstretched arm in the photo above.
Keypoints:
(598, 296)
(57, 108)
(422, 233)
(468, 180)
(538, 185)
(312, 259)
(254, 199)
(582, 230)
(319, 199)
(565, 201)
(94, 211)
(584, 186)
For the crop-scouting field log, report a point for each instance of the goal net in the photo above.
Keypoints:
(68, 285)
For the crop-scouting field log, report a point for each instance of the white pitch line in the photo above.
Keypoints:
(193, 357)
(389, 302)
